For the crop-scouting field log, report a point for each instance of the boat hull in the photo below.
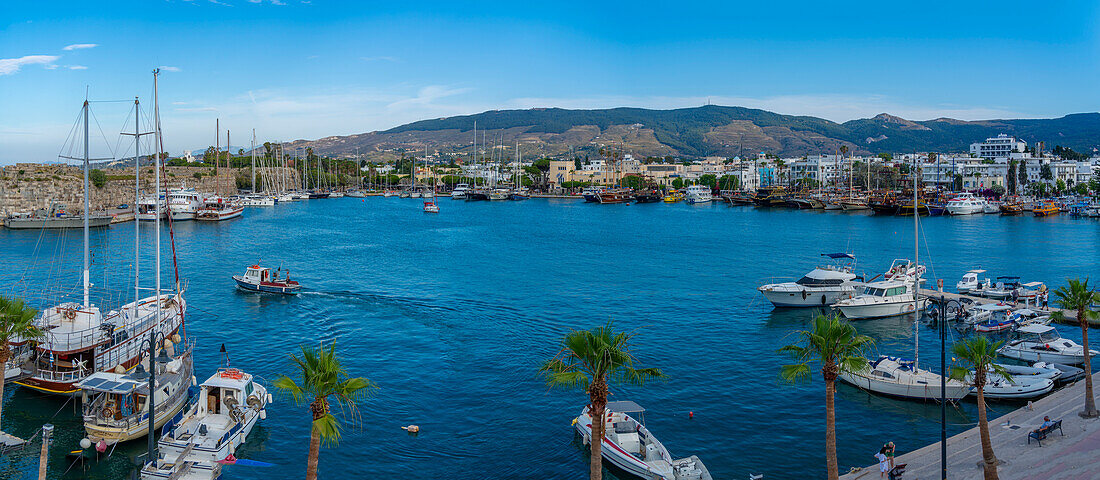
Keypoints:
(56, 223)
(267, 287)
(880, 310)
(924, 392)
(806, 297)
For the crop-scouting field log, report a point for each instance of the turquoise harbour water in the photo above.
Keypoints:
(451, 315)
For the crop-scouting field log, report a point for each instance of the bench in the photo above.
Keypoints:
(1040, 433)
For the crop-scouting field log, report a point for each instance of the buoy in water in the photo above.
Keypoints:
(85, 443)
(691, 414)
(411, 429)
(101, 446)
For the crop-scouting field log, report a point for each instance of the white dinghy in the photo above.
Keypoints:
(627, 444)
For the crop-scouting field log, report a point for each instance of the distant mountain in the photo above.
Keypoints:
(702, 131)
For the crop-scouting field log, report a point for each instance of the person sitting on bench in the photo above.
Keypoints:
(1046, 423)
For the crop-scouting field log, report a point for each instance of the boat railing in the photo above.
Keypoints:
(62, 376)
(71, 341)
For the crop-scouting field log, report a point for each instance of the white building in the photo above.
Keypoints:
(1000, 146)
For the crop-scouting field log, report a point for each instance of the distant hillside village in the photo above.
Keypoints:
(1003, 164)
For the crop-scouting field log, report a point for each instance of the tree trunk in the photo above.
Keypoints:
(5, 354)
(597, 411)
(830, 430)
(314, 452)
(1090, 402)
(989, 463)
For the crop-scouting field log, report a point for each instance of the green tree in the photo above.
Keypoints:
(1045, 173)
(998, 190)
(1021, 174)
(633, 181)
(835, 344)
(976, 357)
(16, 324)
(957, 185)
(677, 183)
(1078, 296)
(591, 360)
(322, 381)
(97, 177)
(1060, 186)
(728, 182)
(709, 180)
(1010, 179)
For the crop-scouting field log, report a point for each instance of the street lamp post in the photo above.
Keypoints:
(154, 359)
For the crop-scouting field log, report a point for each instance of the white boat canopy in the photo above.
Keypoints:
(624, 406)
(1033, 284)
(1035, 329)
(977, 270)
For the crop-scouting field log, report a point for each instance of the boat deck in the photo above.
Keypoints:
(1060, 457)
(10, 442)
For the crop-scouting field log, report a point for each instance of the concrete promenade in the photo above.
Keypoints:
(1071, 457)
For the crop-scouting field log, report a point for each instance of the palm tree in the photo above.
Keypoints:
(589, 360)
(16, 322)
(836, 344)
(977, 355)
(1078, 296)
(322, 378)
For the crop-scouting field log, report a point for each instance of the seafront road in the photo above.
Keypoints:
(1073, 456)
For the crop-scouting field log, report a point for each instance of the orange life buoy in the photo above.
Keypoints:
(232, 373)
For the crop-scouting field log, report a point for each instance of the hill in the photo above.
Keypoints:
(702, 131)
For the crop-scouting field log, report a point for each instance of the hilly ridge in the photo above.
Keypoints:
(703, 131)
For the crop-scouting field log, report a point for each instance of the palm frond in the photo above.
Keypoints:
(795, 373)
(328, 428)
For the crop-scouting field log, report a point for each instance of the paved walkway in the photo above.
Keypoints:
(1071, 457)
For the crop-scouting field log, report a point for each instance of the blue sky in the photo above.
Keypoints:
(293, 69)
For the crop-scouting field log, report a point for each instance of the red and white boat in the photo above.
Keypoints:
(431, 207)
(217, 209)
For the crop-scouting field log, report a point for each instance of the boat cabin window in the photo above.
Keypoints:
(882, 374)
(819, 282)
(252, 272)
(248, 389)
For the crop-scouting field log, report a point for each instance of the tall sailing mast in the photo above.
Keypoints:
(86, 208)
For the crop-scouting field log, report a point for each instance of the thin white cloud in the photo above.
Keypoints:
(80, 46)
(168, 68)
(9, 66)
(76, 67)
(273, 2)
(379, 59)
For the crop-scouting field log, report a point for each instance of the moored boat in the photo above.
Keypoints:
(629, 445)
(1042, 343)
(898, 377)
(822, 286)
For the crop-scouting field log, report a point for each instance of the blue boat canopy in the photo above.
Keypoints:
(839, 255)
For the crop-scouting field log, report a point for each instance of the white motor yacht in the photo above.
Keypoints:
(992, 207)
(627, 444)
(965, 203)
(970, 281)
(257, 200)
(459, 192)
(147, 208)
(898, 377)
(698, 194)
(824, 285)
(1042, 343)
(229, 404)
(217, 209)
(183, 203)
(882, 299)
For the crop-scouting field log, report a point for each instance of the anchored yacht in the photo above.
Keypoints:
(824, 285)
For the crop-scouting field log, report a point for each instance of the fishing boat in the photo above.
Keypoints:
(116, 405)
(520, 194)
(1042, 343)
(229, 404)
(261, 279)
(1012, 208)
(899, 377)
(629, 445)
(992, 207)
(1001, 289)
(824, 285)
(217, 209)
(499, 193)
(431, 207)
(54, 217)
(970, 281)
(698, 194)
(1046, 209)
(993, 317)
(183, 203)
(965, 203)
(854, 203)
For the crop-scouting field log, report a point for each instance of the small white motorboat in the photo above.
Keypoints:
(1042, 343)
(1002, 289)
(1068, 373)
(824, 285)
(1034, 371)
(898, 377)
(627, 444)
(970, 281)
(1019, 388)
(431, 207)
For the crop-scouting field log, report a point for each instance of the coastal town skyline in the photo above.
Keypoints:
(347, 70)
